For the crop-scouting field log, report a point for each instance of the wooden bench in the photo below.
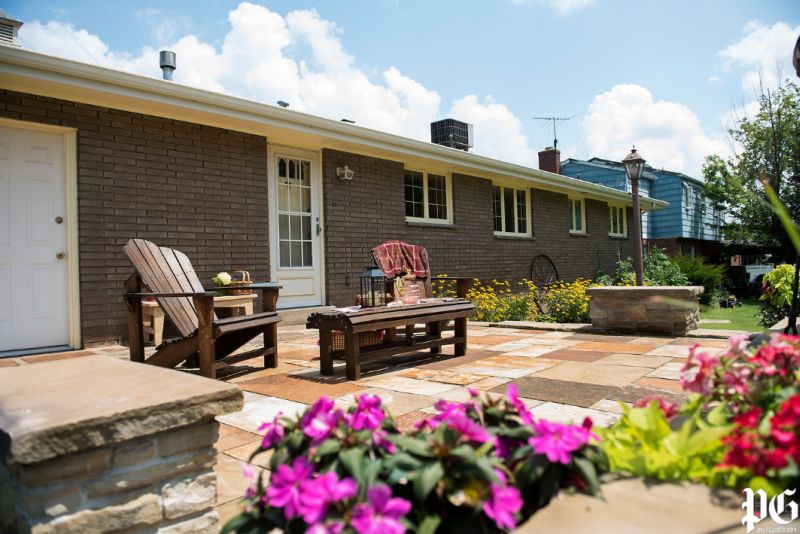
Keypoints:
(434, 314)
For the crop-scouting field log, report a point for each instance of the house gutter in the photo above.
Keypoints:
(37, 66)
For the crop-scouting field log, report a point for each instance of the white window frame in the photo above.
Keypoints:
(572, 229)
(528, 215)
(621, 210)
(448, 184)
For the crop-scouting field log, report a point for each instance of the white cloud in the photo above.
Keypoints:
(562, 7)
(498, 132)
(761, 53)
(164, 27)
(667, 134)
(266, 57)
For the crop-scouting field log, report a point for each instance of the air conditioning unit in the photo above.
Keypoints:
(452, 133)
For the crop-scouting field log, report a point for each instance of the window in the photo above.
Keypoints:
(577, 216)
(427, 196)
(294, 213)
(511, 213)
(617, 221)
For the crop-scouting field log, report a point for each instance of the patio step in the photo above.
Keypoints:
(298, 316)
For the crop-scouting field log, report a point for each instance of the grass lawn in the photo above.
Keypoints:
(744, 317)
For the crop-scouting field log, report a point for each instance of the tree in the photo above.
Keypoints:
(767, 151)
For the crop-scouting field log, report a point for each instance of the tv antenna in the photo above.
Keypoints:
(554, 121)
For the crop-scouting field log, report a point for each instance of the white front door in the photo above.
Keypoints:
(34, 308)
(295, 226)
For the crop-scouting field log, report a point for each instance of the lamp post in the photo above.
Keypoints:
(634, 164)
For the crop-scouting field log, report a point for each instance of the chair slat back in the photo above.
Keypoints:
(166, 270)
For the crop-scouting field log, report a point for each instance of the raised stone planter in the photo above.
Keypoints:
(97, 444)
(668, 310)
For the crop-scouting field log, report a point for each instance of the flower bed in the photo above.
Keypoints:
(478, 466)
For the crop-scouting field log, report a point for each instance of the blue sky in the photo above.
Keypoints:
(663, 75)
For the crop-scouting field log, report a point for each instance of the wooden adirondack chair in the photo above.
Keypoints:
(176, 287)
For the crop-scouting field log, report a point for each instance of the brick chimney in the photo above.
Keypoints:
(550, 160)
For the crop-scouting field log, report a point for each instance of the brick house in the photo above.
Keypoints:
(96, 157)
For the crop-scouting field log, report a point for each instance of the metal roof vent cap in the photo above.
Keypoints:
(9, 28)
(168, 63)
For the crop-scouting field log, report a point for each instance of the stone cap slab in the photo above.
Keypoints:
(55, 408)
(645, 291)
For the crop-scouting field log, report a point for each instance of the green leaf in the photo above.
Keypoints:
(418, 446)
(402, 460)
(427, 479)
(351, 460)
(329, 446)
(718, 415)
(429, 524)
(588, 473)
(466, 453)
(371, 473)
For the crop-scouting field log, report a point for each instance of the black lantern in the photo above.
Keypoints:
(373, 286)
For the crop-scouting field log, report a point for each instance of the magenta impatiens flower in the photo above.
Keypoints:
(697, 374)
(513, 397)
(273, 434)
(381, 515)
(320, 420)
(557, 441)
(368, 414)
(503, 503)
(319, 492)
(285, 486)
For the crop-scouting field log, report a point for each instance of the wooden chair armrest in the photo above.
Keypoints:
(147, 295)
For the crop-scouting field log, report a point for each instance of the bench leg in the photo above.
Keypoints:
(135, 330)
(352, 351)
(435, 329)
(206, 341)
(325, 356)
(271, 341)
(158, 327)
(461, 331)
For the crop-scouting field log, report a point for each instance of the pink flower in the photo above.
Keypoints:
(334, 527)
(557, 441)
(368, 414)
(273, 434)
(319, 421)
(284, 488)
(379, 439)
(504, 502)
(318, 493)
(697, 374)
(381, 515)
(523, 411)
(247, 471)
(737, 381)
(670, 410)
(469, 429)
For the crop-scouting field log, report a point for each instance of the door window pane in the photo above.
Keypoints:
(294, 213)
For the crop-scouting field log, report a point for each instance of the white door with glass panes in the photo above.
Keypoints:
(295, 226)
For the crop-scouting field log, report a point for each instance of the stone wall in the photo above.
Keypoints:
(116, 446)
(668, 310)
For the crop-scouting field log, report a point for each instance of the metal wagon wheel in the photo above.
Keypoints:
(543, 274)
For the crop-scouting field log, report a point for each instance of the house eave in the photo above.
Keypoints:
(25, 70)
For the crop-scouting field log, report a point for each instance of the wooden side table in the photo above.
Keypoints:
(153, 315)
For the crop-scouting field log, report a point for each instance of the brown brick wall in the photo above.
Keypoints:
(370, 209)
(199, 189)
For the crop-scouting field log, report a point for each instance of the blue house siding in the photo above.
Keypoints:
(689, 214)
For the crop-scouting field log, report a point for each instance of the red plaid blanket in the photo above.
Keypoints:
(396, 258)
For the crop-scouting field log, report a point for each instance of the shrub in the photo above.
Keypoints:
(700, 273)
(567, 302)
(496, 300)
(478, 466)
(776, 295)
(657, 270)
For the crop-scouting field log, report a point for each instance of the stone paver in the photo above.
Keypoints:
(595, 373)
(563, 375)
(635, 360)
(560, 391)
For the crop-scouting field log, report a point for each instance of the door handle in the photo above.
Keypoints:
(61, 256)
(319, 227)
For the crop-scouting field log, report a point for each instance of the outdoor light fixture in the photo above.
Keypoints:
(634, 165)
(345, 173)
(373, 286)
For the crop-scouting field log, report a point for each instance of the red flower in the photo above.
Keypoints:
(670, 410)
(749, 419)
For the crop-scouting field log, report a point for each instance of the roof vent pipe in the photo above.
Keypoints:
(167, 62)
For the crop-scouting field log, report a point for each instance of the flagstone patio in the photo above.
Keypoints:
(562, 376)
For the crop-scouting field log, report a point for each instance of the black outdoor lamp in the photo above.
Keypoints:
(373, 286)
(634, 165)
